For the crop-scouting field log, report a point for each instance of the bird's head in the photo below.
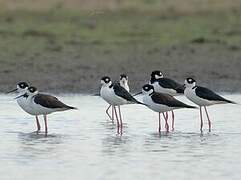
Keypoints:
(123, 79)
(190, 83)
(22, 87)
(147, 89)
(32, 91)
(105, 81)
(155, 75)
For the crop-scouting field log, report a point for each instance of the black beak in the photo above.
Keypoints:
(20, 96)
(14, 90)
(137, 93)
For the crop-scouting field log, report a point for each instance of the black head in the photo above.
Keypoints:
(190, 83)
(147, 89)
(105, 80)
(22, 85)
(190, 80)
(32, 89)
(156, 75)
(123, 76)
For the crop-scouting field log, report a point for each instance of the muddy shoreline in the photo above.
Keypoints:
(216, 66)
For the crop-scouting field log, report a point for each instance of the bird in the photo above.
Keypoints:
(203, 97)
(123, 81)
(165, 85)
(43, 104)
(22, 88)
(161, 102)
(116, 95)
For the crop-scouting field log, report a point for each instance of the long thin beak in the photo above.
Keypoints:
(20, 96)
(14, 90)
(137, 93)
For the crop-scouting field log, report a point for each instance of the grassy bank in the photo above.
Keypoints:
(61, 47)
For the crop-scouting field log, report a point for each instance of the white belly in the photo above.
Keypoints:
(156, 107)
(160, 89)
(190, 94)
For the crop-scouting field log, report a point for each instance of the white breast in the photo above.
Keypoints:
(23, 103)
(125, 85)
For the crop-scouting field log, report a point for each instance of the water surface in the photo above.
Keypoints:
(84, 144)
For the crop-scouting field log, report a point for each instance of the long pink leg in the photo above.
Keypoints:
(209, 122)
(173, 120)
(46, 125)
(121, 124)
(107, 112)
(201, 125)
(166, 121)
(117, 120)
(38, 124)
(159, 129)
(113, 114)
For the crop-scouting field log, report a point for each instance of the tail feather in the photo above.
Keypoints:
(70, 107)
(228, 101)
(138, 102)
(191, 107)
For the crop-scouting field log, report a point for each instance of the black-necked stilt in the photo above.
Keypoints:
(116, 95)
(123, 81)
(43, 104)
(22, 88)
(165, 85)
(161, 102)
(202, 97)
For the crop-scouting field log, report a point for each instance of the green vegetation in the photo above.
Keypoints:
(58, 35)
(23, 30)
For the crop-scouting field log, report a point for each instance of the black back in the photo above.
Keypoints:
(205, 93)
(168, 100)
(49, 101)
(123, 93)
(170, 84)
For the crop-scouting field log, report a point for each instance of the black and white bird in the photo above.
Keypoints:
(123, 81)
(161, 102)
(167, 86)
(43, 104)
(116, 95)
(203, 97)
(22, 88)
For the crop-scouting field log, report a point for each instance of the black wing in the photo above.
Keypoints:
(168, 100)
(205, 93)
(171, 84)
(49, 101)
(123, 93)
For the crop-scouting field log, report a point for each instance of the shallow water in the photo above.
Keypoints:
(84, 144)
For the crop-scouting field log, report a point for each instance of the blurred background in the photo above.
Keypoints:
(68, 45)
